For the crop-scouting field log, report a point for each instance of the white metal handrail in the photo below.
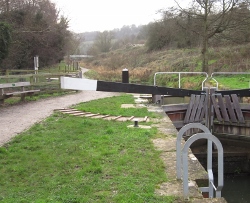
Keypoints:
(178, 144)
(182, 163)
(179, 73)
(215, 73)
(218, 144)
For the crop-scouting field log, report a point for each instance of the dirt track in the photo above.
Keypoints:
(15, 119)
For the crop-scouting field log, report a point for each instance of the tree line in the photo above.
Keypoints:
(34, 27)
(114, 39)
(29, 28)
(203, 23)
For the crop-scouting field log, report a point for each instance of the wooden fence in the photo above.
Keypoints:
(46, 82)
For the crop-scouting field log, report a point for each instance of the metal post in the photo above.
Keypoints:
(179, 73)
(214, 140)
(36, 65)
(178, 144)
(136, 123)
(179, 80)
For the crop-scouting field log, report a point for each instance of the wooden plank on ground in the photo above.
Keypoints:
(72, 112)
(129, 119)
(117, 117)
(230, 108)
(66, 110)
(237, 108)
(79, 114)
(105, 116)
(91, 115)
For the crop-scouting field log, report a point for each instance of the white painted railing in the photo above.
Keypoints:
(182, 159)
(202, 73)
(179, 73)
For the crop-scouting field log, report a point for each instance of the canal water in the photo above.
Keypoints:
(236, 189)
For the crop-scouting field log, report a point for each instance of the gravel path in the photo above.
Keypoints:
(17, 118)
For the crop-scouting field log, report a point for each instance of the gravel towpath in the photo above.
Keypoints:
(15, 119)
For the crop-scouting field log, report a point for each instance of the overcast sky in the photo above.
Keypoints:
(100, 15)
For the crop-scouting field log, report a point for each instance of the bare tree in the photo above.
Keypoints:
(213, 17)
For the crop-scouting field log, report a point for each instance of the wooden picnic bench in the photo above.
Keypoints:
(18, 88)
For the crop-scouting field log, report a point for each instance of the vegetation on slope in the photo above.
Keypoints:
(142, 65)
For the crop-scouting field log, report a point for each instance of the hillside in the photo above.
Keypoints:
(143, 64)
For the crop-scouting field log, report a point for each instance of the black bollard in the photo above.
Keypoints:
(125, 75)
(136, 123)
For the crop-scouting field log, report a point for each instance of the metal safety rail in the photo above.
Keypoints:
(182, 159)
(179, 73)
(204, 73)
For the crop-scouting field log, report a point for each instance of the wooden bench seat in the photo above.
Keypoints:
(11, 89)
(23, 92)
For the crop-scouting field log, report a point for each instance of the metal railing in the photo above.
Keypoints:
(206, 74)
(179, 73)
(182, 159)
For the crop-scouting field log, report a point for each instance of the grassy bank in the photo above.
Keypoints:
(112, 106)
(233, 81)
(142, 65)
(71, 159)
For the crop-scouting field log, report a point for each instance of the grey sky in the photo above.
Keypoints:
(100, 15)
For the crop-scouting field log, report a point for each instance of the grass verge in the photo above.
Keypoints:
(234, 81)
(71, 159)
(112, 106)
